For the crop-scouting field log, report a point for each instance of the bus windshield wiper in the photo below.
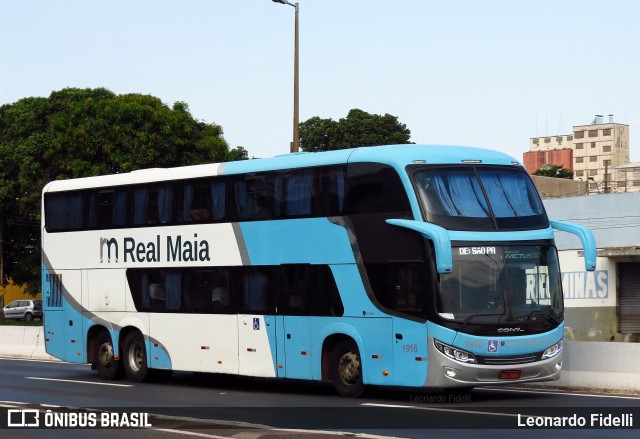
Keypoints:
(539, 312)
(473, 316)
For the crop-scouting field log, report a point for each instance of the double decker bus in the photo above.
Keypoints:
(400, 265)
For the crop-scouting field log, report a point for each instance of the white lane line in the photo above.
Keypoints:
(435, 409)
(39, 360)
(190, 433)
(557, 392)
(11, 403)
(81, 382)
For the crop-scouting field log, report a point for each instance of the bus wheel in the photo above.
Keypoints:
(347, 369)
(135, 357)
(107, 366)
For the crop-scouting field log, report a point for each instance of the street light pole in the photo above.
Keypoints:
(295, 145)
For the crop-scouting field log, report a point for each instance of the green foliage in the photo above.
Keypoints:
(555, 171)
(359, 128)
(85, 132)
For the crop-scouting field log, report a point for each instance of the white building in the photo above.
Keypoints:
(603, 305)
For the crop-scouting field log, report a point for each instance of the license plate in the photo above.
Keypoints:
(510, 374)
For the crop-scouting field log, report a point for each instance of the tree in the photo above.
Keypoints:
(555, 171)
(85, 132)
(359, 128)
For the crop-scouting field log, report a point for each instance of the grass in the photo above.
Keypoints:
(14, 322)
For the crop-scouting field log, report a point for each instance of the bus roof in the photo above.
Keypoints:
(397, 156)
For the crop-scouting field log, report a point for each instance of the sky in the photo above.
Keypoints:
(490, 73)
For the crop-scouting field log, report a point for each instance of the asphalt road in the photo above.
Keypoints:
(209, 406)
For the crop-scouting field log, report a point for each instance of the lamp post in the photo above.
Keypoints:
(295, 145)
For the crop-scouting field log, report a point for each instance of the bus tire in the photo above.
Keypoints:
(135, 357)
(346, 369)
(104, 362)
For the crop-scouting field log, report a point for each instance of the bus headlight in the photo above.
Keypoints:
(455, 353)
(552, 351)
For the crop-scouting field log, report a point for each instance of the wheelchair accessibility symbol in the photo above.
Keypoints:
(493, 346)
(256, 324)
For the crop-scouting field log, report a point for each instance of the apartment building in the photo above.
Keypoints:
(592, 152)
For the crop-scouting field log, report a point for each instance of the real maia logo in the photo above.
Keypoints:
(175, 249)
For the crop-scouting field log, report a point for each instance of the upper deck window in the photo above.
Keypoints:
(479, 198)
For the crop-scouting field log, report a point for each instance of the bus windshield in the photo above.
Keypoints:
(502, 283)
(479, 198)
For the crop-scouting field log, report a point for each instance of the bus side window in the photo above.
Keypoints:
(152, 205)
(112, 208)
(375, 188)
(64, 211)
(298, 194)
(258, 197)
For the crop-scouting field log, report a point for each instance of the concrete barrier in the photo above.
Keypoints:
(23, 342)
(610, 367)
(594, 366)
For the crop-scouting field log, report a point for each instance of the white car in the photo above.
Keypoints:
(23, 309)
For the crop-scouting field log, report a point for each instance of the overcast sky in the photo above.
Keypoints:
(489, 73)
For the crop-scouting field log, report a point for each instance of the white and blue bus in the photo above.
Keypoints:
(401, 265)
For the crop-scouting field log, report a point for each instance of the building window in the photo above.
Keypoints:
(579, 134)
(579, 159)
(593, 158)
(559, 139)
(547, 139)
(606, 148)
(579, 146)
(579, 173)
(593, 144)
(593, 133)
(536, 141)
(569, 138)
(606, 132)
(593, 172)
(606, 163)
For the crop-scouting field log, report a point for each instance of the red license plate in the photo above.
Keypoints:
(510, 374)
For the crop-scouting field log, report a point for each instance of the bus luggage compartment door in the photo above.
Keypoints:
(257, 352)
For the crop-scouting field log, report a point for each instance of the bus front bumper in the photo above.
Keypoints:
(448, 373)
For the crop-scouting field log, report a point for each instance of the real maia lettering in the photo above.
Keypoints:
(171, 249)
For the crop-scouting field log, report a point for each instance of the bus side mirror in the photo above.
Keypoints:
(586, 237)
(437, 234)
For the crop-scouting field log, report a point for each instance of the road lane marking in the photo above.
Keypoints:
(81, 382)
(39, 360)
(557, 392)
(189, 433)
(435, 409)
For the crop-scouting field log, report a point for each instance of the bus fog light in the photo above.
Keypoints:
(450, 372)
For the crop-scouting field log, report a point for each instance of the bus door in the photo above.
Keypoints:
(257, 348)
(297, 347)
(409, 352)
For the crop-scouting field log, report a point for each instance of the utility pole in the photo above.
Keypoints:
(295, 145)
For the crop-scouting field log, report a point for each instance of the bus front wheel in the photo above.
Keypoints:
(347, 369)
(106, 364)
(135, 357)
